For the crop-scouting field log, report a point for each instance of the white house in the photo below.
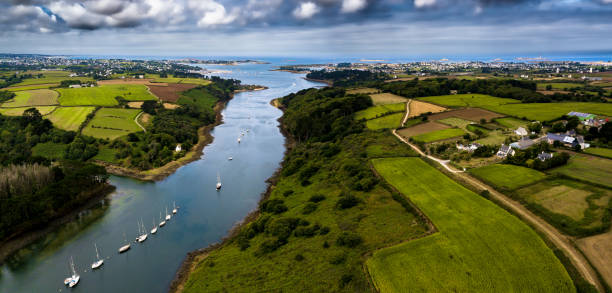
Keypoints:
(178, 148)
(504, 151)
(521, 131)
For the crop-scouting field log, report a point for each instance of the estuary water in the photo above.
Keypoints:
(204, 217)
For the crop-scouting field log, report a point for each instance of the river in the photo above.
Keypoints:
(204, 217)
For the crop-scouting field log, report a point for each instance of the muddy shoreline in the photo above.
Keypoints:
(13, 244)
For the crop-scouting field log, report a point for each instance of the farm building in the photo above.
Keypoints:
(522, 144)
(521, 131)
(178, 148)
(545, 156)
(581, 116)
(567, 140)
(504, 151)
(74, 86)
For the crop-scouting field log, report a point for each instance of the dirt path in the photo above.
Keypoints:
(136, 120)
(561, 241)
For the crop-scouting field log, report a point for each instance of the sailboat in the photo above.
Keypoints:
(154, 230)
(168, 216)
(218, 181)
(174, 210)
(239, 140)
(230, 158)
(99, 261)
(162, 223)
(142, 234)
(125, 247)
(73, 280)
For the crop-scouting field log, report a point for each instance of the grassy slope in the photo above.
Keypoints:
(44, 110)
(50, 77)
(510, 122)
(49, 150)
(33, 97)
(607, 153)
(69, 118)
(479, 246)
(112, 123)
(439, 135)
(103, 95)
(507, 177)
(389, 121)
(588, 168)
(376, 111)
(532, 111)
(379, 220)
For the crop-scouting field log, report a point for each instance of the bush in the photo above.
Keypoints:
(317, 198)
(309, 208)
(276, 206)
(299, 257)
(287, 193)
(269, 245)
(324, 230)
(348, 239)
(347, 201)
(345, 279)
(307, 232)
(337, 259)
(325, 244)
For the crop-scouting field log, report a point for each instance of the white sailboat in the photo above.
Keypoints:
(230, 158)
(125, 247)
(142, 233)
(162, 223)
(174, 210)
(154, 230)
(218, 181)
(239, 140)
(168, 216)
(99, 262)
(73, 280)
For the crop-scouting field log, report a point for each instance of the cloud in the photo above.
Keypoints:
(350, 6)
(211, 13)
(306, 10)
(424, 3)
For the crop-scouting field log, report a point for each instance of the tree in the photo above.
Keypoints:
(558, 127)
(535, 127)
(572, 123)
(149, 106)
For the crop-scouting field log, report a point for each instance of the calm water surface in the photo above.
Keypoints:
(204, 217)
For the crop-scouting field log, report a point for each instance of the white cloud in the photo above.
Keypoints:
(424, 3)
(350, 6)
(211, 13)
(306, 10)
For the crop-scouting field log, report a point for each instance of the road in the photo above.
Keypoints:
(561, 241)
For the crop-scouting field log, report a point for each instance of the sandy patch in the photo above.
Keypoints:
(170, 106)
(417, 108)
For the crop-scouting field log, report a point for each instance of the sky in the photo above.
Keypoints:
(367, 28)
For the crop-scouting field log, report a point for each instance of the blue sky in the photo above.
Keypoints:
(305, 27)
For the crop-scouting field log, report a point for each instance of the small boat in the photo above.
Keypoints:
(218, 181)
(125, 247)
(162, 223)
(174, 210)
(239, 140)
(247, 130)
(73, 280)
(142, 233)
(154, 230)
(99, 261)
(230, 158)
(168, 216)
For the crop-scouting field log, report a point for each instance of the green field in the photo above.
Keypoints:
(106, 154)
(69, 118)
(439, 135)
(507, 177)
(511, 123)
(380, 110)
(531, 111)
(607, 153)
(30, 87)
(479, 247)
(112, 123)
(456, 122)
(33, 98)
(44, 110)
(49, 150)
(588, 168)
(560, 85)
(200, 98)
(386, 122)
(197, 81)
(50, 77)
(103, 95)
(495, 137)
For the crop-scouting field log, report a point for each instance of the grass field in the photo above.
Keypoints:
(472, 114)
(477, 247)
(600, 152)
(387, 98)
(44, 110)
(560, 85)
(439, 135)
(103, 95)
(197, 81)
(49, 150)
(507, 177)
(69, 118)
(456, 122)
(588, 168)
(511, 123)
(31, 87)
(33, 98)
(106, 154)
(531, 111)
(363, 90)
(112, 123)
(386, 122)
(575, 208)
(417, 108)
(50, 77)
(494, 137)
(380, 110)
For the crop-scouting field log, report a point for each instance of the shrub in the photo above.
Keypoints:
(276, 206)
(325, 244)
(347, 201)
(269, 245)
(309, 208)
(345, 279)
(308, 232)
(337, 259)
(348, 239)
(324, 230)
(287, 193)
(299, 257)
(317, 198)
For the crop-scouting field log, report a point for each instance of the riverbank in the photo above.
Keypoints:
(327, 82)
(22, 239)
(157, 174)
